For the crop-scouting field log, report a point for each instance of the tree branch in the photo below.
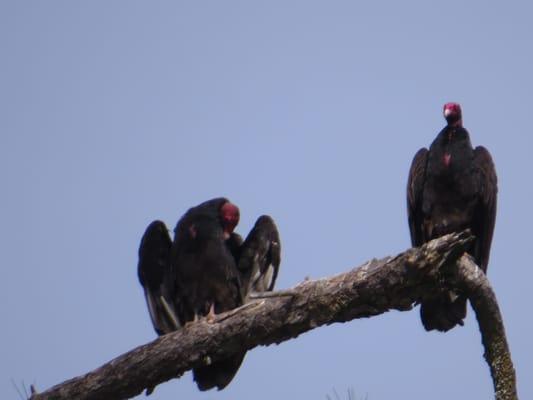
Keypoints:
(374, 288)
(474, 282)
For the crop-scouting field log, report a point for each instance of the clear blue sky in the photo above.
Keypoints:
(114, 113)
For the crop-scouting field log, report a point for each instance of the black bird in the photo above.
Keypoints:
(451, 187)
(204, 275)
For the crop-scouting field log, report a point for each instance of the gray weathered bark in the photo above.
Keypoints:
(374, 288)
(473, 281)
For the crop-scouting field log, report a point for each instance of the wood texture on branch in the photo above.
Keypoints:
(374, 288)
(473, 281)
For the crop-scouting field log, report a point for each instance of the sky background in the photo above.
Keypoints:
(115, 113)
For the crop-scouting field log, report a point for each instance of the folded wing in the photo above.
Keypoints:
(485, 218)
(415, 186)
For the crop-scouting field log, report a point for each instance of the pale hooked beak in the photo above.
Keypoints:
(447, 112)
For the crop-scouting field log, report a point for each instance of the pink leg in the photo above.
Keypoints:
(211, 315)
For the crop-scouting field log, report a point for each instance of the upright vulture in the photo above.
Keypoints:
(451, 187)
(207, 269)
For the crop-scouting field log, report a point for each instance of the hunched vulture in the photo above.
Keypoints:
(206, 270)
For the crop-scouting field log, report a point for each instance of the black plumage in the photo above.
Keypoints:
(451, 187)
(204, 274)
(153, 270)
(203, 268)
(260, 256)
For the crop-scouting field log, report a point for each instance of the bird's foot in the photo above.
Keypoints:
(211, 316)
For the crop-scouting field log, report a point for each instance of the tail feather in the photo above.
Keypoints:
(219, 374)
(443, 312)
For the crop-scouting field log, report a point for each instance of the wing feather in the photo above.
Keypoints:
(486, 213)
(415, 187)
(153, 270)
(260, 257)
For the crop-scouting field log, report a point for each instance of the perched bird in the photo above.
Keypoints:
(451, 187)
(201, 273)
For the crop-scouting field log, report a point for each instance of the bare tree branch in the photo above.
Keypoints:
(474, 282)
(374, 288)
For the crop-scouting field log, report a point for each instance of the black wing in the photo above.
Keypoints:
(415, 187)
(153, 270)
(260, 257)
(483, 226)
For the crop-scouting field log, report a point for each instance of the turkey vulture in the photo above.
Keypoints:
(202, 273)
(451, 187)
